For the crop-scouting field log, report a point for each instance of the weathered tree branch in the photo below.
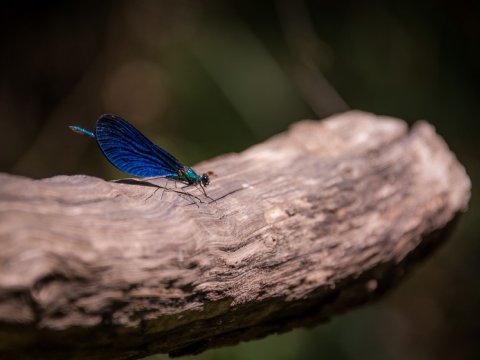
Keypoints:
(308, 224)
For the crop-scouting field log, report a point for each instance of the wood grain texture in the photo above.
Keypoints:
(314, 221)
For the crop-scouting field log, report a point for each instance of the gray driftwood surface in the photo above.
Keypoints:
(326, 216)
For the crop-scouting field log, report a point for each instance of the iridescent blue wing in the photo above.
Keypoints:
(130, 151)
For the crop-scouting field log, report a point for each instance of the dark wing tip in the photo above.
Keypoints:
(110, 116)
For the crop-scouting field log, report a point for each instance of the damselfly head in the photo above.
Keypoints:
(205, 179)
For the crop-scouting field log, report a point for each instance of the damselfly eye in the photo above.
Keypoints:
(205, 179)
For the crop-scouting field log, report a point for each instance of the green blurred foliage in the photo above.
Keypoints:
(205, 78)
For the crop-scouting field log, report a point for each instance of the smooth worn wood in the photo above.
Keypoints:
(310, 223)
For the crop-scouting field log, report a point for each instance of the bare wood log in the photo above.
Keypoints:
(308, 224)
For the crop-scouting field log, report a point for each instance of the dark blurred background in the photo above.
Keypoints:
(203, 78)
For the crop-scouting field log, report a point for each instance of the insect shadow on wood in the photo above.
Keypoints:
(194, 200)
